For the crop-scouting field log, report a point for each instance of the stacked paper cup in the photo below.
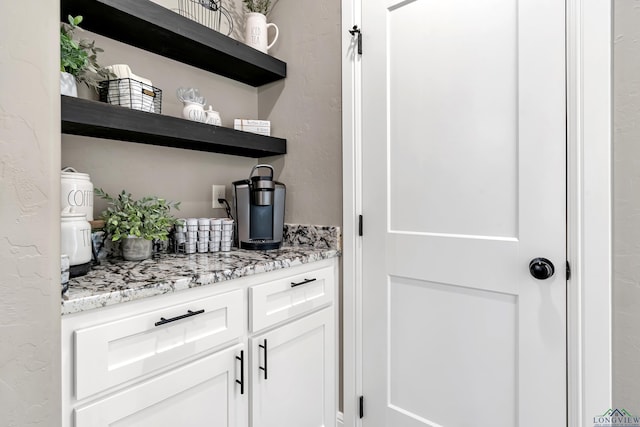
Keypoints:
(192, 236)
(221, 235)
(227, 235)
(203, 234)
(216, 234)
(181, 232)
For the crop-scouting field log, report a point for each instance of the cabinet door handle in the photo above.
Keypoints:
(241, 380)
(304, 282)
(264, 368)
(190, 313)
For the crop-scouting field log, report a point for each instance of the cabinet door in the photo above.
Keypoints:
(202, 393)
(292, 376)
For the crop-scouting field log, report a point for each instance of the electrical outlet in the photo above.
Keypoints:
(218, 192)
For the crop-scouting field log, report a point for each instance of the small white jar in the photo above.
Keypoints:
(213, 117)
(194, 111)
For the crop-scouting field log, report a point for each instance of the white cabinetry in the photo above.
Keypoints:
(201, 393)
(111, 353)
(283, 299)
(292, 377)
(183, 359)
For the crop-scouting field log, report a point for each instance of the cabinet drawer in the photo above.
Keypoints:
(201, 393)
(280, 300)
(115, 352)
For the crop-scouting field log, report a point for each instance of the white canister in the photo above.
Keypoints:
(194, 111)
(76, 190)
(75, 236)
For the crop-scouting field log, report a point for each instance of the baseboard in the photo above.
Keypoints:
(340, 419)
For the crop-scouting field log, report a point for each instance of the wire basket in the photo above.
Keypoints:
(132, 94)
(206, 12)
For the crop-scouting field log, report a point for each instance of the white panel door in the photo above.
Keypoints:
(463, 146)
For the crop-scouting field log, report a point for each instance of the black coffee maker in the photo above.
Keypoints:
(259, 204)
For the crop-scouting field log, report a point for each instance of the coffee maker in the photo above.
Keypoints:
(259, 204)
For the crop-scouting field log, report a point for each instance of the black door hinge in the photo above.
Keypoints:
(568, 271)
(359, 225)
(361, 406)
(355, 30)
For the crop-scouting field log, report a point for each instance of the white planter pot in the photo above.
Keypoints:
(68, 85)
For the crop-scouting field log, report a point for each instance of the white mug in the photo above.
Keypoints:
(256, 29)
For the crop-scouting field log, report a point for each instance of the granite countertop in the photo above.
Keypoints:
(115, 280)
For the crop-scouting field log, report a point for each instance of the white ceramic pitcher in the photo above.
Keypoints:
(256, 32)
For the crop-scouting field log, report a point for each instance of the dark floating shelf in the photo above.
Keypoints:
(101, 120)
(156, 29)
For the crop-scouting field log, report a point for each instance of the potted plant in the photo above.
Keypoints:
(257, 6)
(256, 27)
(137, 223)
(78, 60)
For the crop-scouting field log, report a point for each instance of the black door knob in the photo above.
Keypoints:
(541, 268)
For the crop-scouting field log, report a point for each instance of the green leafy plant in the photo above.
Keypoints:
(148, 217)
(79, 58)
(260, 6)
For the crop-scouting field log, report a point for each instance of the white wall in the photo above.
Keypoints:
(29, 214)
(626, 244)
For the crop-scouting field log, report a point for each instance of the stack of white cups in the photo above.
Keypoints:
(192, 236)
(181, 232)
(216, 234)
(203, 234)
(221, 235)
(227, 235)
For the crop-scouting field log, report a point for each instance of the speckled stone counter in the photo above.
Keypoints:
(115, 281)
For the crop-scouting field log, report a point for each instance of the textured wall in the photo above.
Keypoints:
(29, 214)
(626, 244)
(305, 108)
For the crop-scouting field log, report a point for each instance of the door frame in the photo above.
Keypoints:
(589, 220)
